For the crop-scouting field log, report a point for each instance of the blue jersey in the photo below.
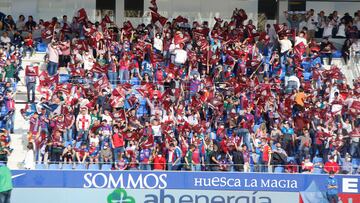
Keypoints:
(332, 182)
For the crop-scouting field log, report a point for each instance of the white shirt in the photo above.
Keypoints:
(83, 121)
(328, 30)
(157, 130)
(29, 162)
(107, 118)
(311, 23)
(158, 44)
(341, 31)
(180, 56)
(94, 140)
(5, 39)
(285, 45)
(193, 120)
(53, 54)
(355, 46)
(298, 40)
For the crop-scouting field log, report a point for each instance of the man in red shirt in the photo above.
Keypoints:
(159, 162)
(331, 165)
(265, 149)
(117, 142)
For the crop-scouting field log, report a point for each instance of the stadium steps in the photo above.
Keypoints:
(21, 97)
(18, 140)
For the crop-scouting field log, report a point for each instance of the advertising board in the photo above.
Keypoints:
(166, 186)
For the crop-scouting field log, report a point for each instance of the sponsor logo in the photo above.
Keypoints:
(18, 175)
(127, 181)
(246, 183)
(120, 196)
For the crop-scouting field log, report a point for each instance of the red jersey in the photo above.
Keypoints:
(118, 140)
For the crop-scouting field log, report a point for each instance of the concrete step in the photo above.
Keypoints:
(18, 140)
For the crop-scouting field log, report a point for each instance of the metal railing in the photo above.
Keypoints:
(318, 168)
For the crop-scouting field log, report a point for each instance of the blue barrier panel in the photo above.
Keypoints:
(180, 180)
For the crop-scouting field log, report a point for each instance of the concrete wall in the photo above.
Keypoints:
(342, 7)
(204, 10)
(46, 9)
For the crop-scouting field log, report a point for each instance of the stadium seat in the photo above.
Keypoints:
(64, 78)
(337, 54)
(41, 47)
(94, 167)
(306, 65)
(290, 158)
(318, 170)
(40, 166)
(279, 169)
(355, 164)
(67, 166)
(106, 167)
(80, 167)
(307, 76)
(54, 167)
(317, 160)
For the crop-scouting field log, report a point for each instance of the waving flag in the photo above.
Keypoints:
(81, 16)
(300, 49)
(156, 17)
(102, 83)
(97, 68)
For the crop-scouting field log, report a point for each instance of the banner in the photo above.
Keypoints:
(181, 180)
(147, 196)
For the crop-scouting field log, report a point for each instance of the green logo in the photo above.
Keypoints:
(120, 196)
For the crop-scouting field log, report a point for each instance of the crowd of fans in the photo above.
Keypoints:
(172, 95)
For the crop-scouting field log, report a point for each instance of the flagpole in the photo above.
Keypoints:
(256, 69)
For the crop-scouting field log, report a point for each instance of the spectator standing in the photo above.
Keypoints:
(30, 80)
(30, 24)
(332, 188)
(159, 161)
(53, 57)
(311, 23)
(83, 122)
(5, 184)
(29, 162)
(106, 154)
(331, 166)
(117, 141)
(20, 23)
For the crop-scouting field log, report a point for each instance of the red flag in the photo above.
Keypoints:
(102, 83)
(181, 38)
(279, 28)
(155, 17)
(141, 92)
(97, 68)
(153, 8)
(47, 33)
(115, 101)
(106, 19)
(65, 88)
(32, 71)
(355, 106)
(127, 26)
(82, 45)
(66, 28)
(126, 86)
(180, 19)
(146, 141)
(81, 16)
(300, 49)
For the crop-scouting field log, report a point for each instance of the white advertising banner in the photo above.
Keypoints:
(62, 195)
